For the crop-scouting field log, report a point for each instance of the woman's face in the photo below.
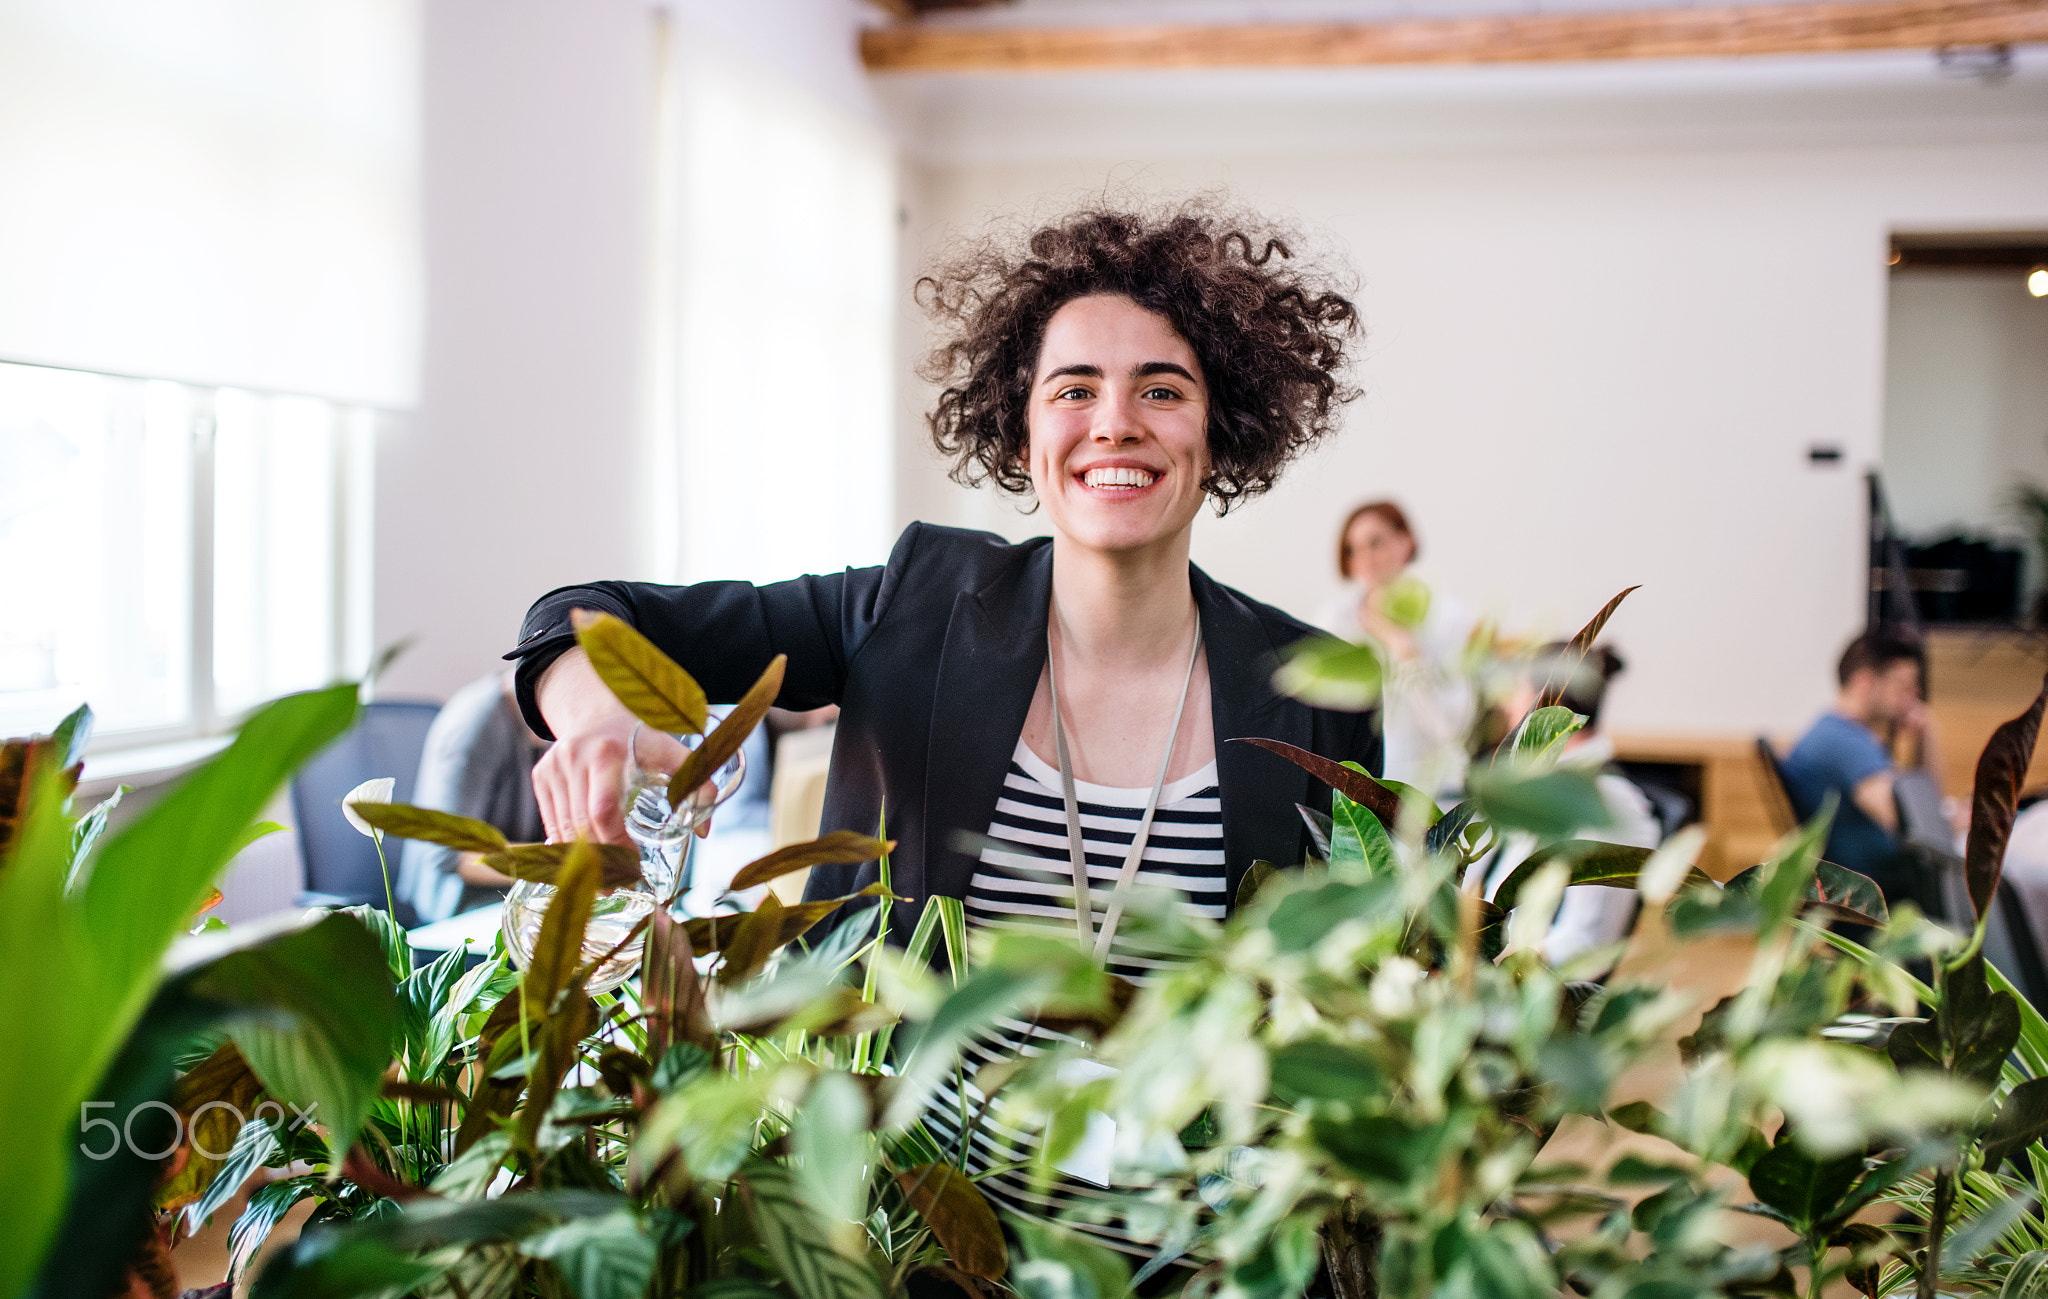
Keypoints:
(1119, 426)
(1379, 551)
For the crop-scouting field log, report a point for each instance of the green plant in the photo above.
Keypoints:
(105, 998)
(1361, 1069)
(727, 1120)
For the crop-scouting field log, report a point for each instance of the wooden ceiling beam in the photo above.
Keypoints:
(1826, 27)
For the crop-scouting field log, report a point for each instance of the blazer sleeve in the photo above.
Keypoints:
(725, 633)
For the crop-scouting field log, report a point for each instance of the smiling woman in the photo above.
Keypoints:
(1043, 723)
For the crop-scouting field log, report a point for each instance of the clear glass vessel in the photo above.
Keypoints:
(663, 836)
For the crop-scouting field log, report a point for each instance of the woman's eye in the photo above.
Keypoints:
(1071, 394)
(1161, 394)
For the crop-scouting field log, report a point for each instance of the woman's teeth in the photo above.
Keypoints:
(1120, 476)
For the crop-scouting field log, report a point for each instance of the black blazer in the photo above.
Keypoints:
(933, 659)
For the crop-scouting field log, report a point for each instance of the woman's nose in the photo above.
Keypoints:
(1116, 422)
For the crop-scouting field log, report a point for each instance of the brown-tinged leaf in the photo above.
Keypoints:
(1581, 644)
(556, 1051)
(712, 933)
(839, 848)
(493, 1098)
(960, 1216)
(652, 686)
(2001, 770)
(557, 954)
(558, 949)
(1255, 877)
(425, 1093)
(1360, 788)
(18, 758)
(213, 899)
(225, 1088)
(969, 1286)
(405, 821)
(359, 1168)
(758, 935)
(841, 1012)
(727, 737)
(13, 779)
(672, 989)
(618, 863)
(1869, 1247)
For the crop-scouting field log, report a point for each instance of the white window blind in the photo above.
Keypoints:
(783, 230)
(175, 555)
(213, 191)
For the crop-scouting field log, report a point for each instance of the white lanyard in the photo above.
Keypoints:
(1084, 907)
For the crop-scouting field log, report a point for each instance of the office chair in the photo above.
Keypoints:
(341, 862)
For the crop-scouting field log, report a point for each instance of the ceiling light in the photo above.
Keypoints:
(2037, 281)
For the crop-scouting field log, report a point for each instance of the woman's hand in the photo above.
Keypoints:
(580, 781)
(1399, 642)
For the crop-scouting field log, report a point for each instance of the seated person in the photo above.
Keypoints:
(1845, 752)
(1590, 916)
(478, 762)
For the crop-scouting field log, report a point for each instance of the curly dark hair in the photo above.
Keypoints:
(1270, 336)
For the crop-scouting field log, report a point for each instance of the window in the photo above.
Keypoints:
(174, 554)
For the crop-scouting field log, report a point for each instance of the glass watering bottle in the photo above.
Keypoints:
(663, 836)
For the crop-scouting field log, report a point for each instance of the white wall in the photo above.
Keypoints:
(530, 460)
(1601, 333)
(1966, 400)
(504, 484)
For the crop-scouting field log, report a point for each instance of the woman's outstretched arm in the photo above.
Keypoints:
(723, 633)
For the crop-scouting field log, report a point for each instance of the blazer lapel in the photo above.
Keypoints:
(1259, 789)
(988, 670)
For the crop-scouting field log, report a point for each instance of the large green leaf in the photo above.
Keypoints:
(1063, 1264)
(79, 969)
(368, 1256)
(1550, 805)
(1358, 838)
(330, 1022)
(1611, 865)
(1330, 673)
(1799, 1185)
(1836, 890)
(152, 876)
(830, 1137)
(802, 1254)
(608, 1257)
(932, 1046)
(1543, 732)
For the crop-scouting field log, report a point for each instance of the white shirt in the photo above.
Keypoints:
(1427, 705)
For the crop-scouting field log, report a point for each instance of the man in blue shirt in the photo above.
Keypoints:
(1845, 752)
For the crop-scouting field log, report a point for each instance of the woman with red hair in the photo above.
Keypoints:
(1427, 703)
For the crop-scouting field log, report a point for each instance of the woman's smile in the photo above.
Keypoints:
(1118, 478)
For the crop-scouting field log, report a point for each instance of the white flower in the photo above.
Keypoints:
(1393, 988)
(370, 791)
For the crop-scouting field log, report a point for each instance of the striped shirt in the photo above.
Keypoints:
(1027, 878)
